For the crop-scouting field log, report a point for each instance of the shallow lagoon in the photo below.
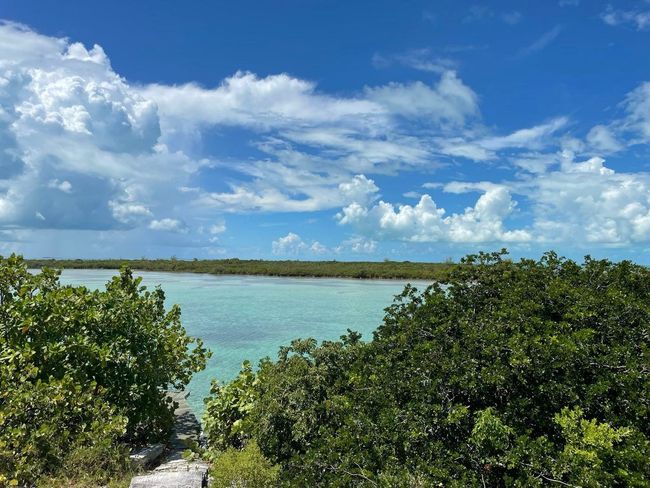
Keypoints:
(250, 317)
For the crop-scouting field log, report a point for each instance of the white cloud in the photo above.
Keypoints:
(486, 148)
(289, 192)
(80, 144)
(359, 189)
(602, 139)
(637, 106)
(580, 203)
(76, 50)
(534, 162)
(638, 18)
(82, 148)
(450, 100)
(318, 248)
(290, 244)
(339, 137)
(588, 202)
(246, 100)
(169, 225)
(359, 245)
(129, 213)
(294, 245)
(64, 186)
(426, 222)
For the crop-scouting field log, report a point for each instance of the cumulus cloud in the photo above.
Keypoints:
(64, 186)
(582, 202)
(588, 202)
(578, 202)
(79, 145)
(359, 189)
(129, 213)
(292, 244)
(359, 245)
(169, 225)
(426, 222)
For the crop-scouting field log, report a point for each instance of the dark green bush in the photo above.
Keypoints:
(82, 371)
(527, 373)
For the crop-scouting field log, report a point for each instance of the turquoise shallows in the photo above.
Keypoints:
(250, 317)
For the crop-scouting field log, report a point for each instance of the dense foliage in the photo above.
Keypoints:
(243, 468)
(340, 269)
(83, 371)
(522, 374)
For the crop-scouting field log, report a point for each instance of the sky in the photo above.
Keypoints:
(314, 129)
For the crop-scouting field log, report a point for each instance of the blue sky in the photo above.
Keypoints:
(323, 129)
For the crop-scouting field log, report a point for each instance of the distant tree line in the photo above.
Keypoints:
(336, 269)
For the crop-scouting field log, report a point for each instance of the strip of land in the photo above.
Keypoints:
(319, 269)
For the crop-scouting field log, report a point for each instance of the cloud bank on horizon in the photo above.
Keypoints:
(86, 155)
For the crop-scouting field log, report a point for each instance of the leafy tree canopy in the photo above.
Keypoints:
(84, 370)
(528, 373)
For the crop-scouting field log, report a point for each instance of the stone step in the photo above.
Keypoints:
(183, 465)
(146, 456)
(174, 479)
(174, 471)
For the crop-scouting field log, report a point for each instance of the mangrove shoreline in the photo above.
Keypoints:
(234, 266)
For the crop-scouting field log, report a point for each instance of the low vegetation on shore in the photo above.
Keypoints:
(334, 269)
(83, 375)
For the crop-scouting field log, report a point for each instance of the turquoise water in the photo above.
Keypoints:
(246, 317)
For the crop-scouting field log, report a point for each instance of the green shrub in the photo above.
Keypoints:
(226, 410)
(519, 374)
(246, 468)
(82, 371)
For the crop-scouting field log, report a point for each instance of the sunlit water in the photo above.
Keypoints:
(245, 317)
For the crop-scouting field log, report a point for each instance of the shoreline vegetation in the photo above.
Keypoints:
(306, 269)
(510, 373)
